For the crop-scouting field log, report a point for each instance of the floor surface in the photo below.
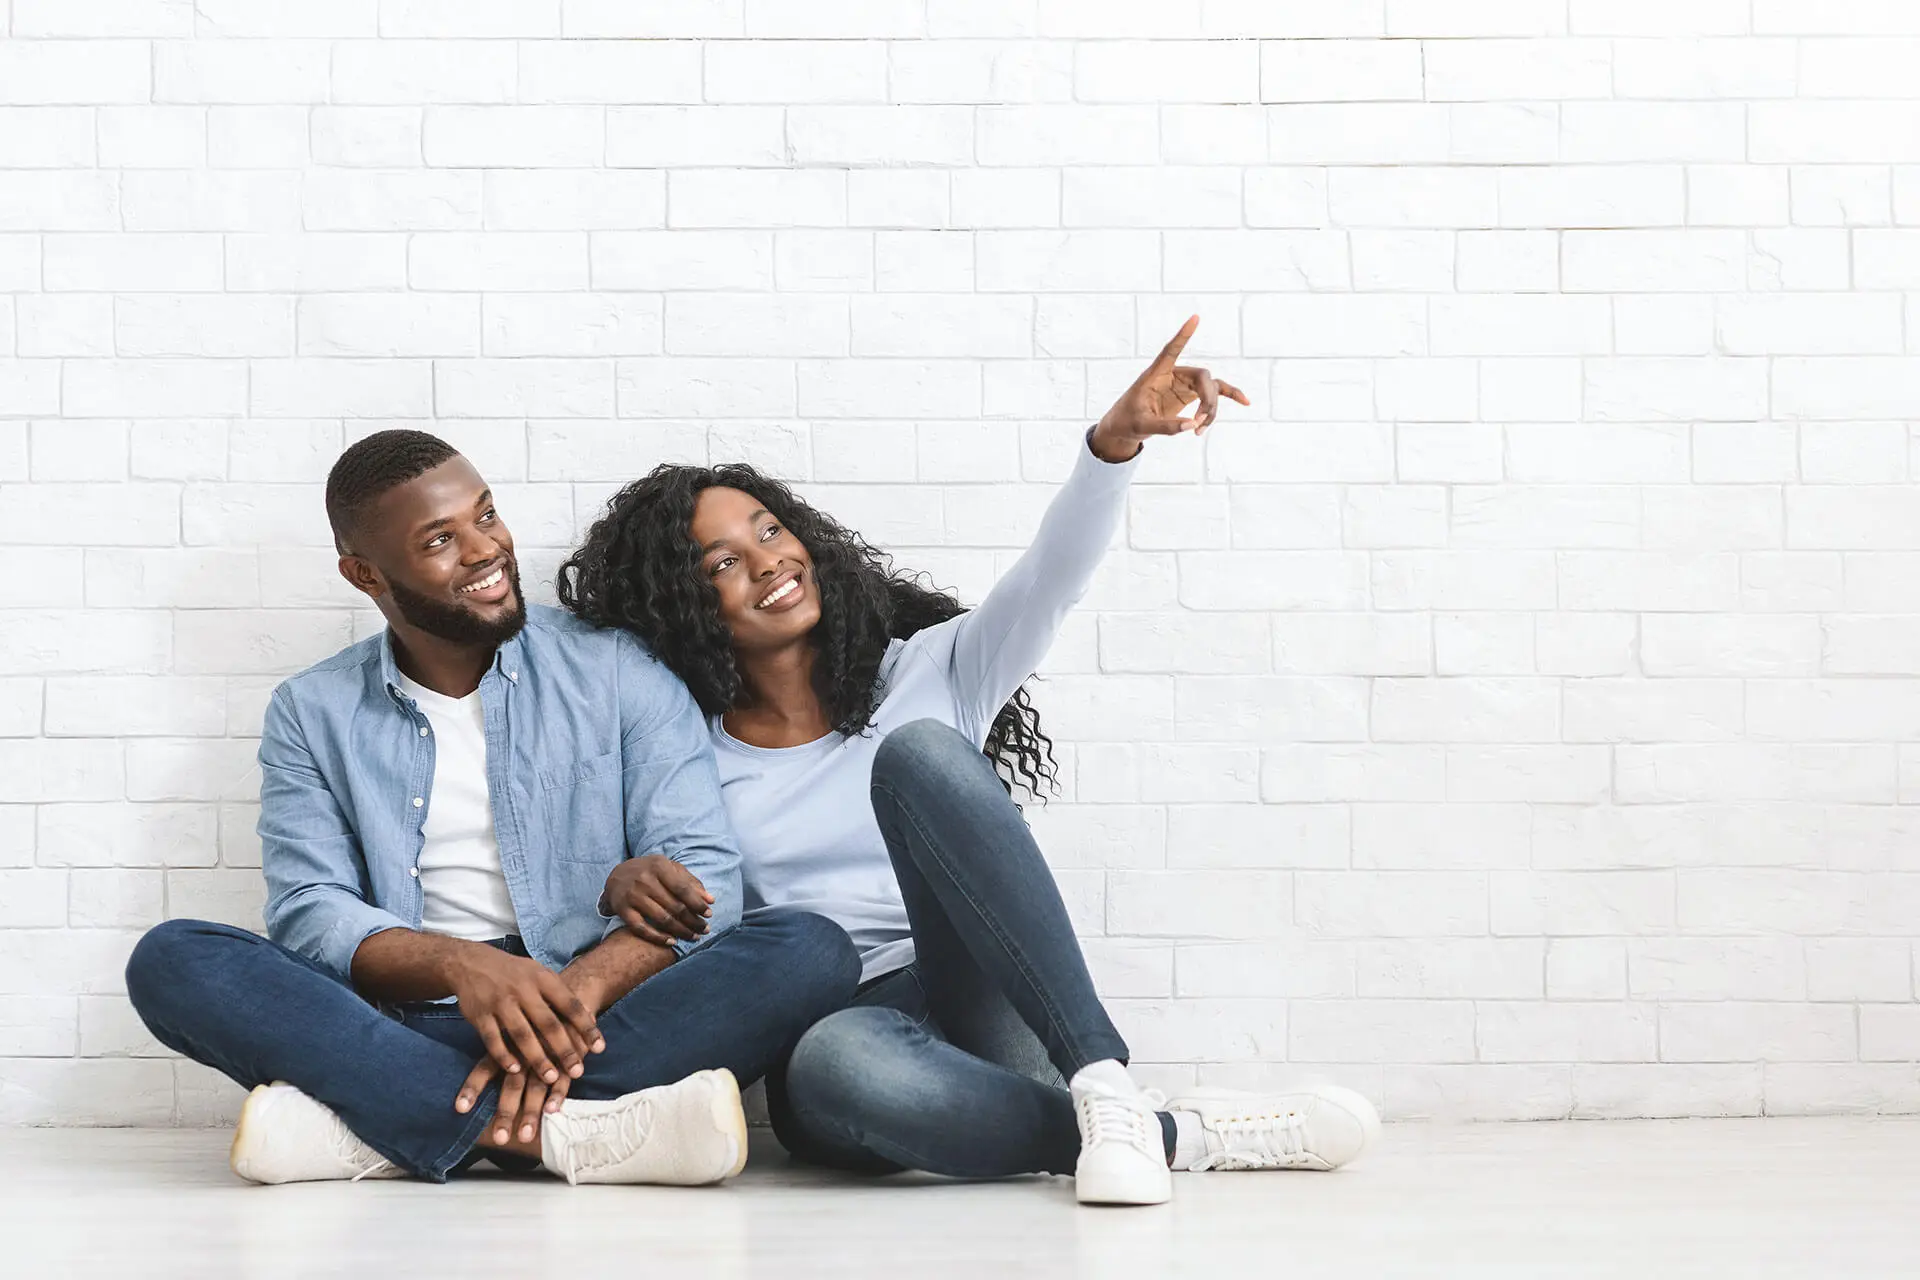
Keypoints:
(1722, 1198)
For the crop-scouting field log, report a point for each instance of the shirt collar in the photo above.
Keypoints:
(506, 661)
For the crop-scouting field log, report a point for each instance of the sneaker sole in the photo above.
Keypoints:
(242, 1138)
(730, 1117)
(1121, 1200)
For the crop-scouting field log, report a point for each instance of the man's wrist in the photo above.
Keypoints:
(1104, 447)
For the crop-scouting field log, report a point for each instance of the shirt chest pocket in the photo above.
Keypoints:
(583, 805)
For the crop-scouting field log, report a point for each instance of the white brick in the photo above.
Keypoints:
(256, 136)
(203, 325)
(1503, 133)
(132, 263)
(286, 18)
(1586, 969)
(1607, 903)
(1507, 262)
(754, 198)
(1062, 134)
(1826, 1088)
(63, 325)
(152, 137)
(1653, 261)
(1888, 1033)
(1665, 773)
(223, 895)
(46, 137)
(569, 324)
(1729, 1032)
(1706, 69)
(1231, 904)
(1517, 1031)
(315, 262)
(240, 71)
(1842, 196)
(895, 197)
(684, 18)
(980, 71)
(1394, 516)
(1865, 132)
(1859, 970)
(812, 261)
(1338, 71)
(1208, 261)
(1642, 132)
(123, 835)
(1634, 17)
(416, 72)
(1465, 709)
(75, 72)
(1409, 904)
(38, 1027)
(1483, 644)
(1351, 644)
(122, 706)
(1476, 18)
(1745, 453)
(1483, 70)
(681, 388)
(1520, 326)
(1798, 258)
(1791, 581)
(1240, 969)
(661, 137)
(403, 325)
(430, 18)
(1662, 325)
(682, 260)
(1214, 135)
(1161, 773)
(1665, 1091)
(1463, 580)
(1334, 325)
(172, 577)
(160, 388)
(1451, 969)
(1854, 453)
(1381, 1031)
(1427, 452)
(1654, 388)
(76, 451)
(1616, 453)
(43, 771)
(1716, 969)
(1262, 709)
(343, 200)
(543, 388)
(796, 71)
(1727, 517)
(1359, 133)
(342, 388)
(1151, 197)
(1435, 836)
(499, 260)
(1168, 71)
(610, 71)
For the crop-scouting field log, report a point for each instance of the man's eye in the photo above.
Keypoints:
(486, 515)
(439, 539)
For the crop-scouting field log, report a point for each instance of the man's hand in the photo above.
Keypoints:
(523, 1101)
(1151, 406)
(658, 899)
(526, 1016)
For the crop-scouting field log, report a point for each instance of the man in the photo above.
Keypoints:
(440, 807)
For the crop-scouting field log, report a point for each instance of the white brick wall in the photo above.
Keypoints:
(1515, 713)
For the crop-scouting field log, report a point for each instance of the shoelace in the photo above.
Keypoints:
(1257, 1142)
(603, 1138)
(357, 1154)
(1129, 1121)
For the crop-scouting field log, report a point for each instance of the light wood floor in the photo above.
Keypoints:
(1725, 1198)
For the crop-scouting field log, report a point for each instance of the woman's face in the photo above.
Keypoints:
(768, 598)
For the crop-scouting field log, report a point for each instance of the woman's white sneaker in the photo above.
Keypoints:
(286, 1136)
(684, 1134)
(1123, 1155)
(1318, 1127)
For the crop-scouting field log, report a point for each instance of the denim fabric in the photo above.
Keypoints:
(260, 1012)
(595, 752)
(957, 1063)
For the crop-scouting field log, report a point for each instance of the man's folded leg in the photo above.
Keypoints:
(261, 1013)
(740, 1003)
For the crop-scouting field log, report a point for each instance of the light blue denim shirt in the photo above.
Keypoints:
(595, 753)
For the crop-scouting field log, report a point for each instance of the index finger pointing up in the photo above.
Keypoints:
(1170, 354)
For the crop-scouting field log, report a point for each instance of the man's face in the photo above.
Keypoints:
(439, 551)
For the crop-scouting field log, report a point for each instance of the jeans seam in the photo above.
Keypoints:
(992, 922)
(469, 1136)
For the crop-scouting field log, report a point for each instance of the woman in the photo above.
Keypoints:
(858, 718)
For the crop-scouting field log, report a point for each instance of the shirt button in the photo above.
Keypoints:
(513, 676)
(414, 872)
(423, 731)
(417, 802)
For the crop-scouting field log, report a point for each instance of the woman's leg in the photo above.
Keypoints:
(983, 904)
(875, 1089)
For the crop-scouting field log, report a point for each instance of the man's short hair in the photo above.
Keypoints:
(372, 466)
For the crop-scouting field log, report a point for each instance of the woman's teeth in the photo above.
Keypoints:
(793, 585)
(491, 580)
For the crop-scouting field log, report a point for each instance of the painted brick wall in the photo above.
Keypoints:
(1517, 714)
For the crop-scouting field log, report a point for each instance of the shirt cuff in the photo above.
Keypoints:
(1091, 464)
(354, 925)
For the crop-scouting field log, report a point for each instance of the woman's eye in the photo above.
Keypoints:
(722, 563)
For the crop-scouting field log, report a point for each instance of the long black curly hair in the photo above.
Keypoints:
(639, 568)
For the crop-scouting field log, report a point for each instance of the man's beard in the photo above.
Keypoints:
(462, 626)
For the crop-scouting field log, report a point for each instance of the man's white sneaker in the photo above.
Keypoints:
(682, 1134)
(1317, 1127)
(286, 1136)
(1123, 1155)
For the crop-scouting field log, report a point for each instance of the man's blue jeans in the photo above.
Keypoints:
(957, 1063)
(259, 1012)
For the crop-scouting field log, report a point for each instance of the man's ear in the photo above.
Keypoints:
(362, 576)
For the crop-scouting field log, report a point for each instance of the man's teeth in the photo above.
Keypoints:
(492, 579)
(793, 585)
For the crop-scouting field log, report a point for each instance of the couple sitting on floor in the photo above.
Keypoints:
(546, 887)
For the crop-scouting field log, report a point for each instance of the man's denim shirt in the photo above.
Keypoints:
(595, 753)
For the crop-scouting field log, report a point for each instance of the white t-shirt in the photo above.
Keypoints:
(464, 889)
(804, 815)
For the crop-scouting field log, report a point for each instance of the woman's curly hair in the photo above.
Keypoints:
(639, 568)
